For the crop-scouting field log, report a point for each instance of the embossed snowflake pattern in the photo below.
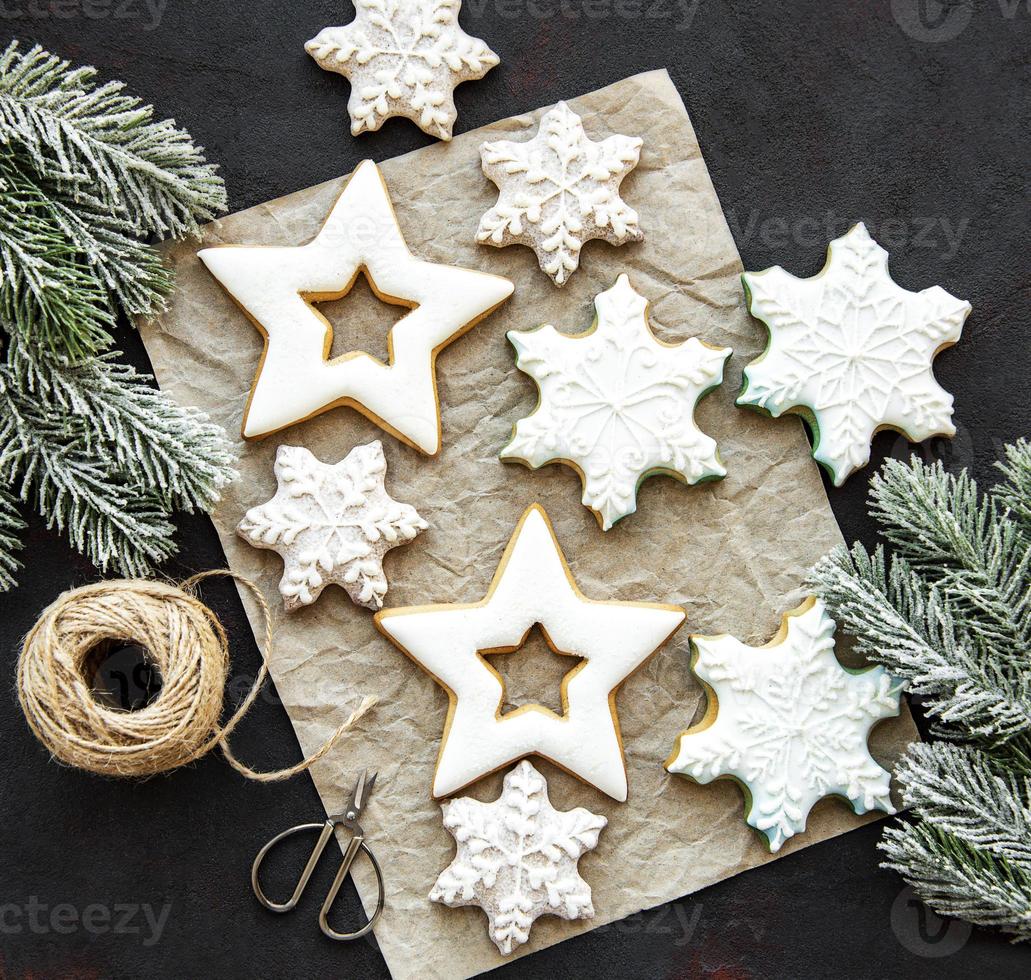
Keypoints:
(403, 58)
(791, 724)
(617, 404)
(558, 191)
(851, 351)
(517, 858)
(331, 523)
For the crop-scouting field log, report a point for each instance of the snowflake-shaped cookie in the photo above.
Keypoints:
(517, 858)
(789, 723)
(403, 58)
(617, 404)
(331, 523)
(851, 352)
(558, 191)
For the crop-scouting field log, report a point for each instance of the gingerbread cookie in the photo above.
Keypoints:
(558, 191)
(277, 285)
(517, 858)
(532, 586)
(331, 524)
(403, 58)
(789, 723)
(617, 404)
(850, 351)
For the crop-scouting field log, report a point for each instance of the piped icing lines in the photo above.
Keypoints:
(617, 404)
(531, 586)
(403, 58)
(851, 352)
(517, 858)
(558, 191)
(331, 524)
(789, 723)
(276, 287)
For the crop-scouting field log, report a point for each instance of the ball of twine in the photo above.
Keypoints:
(183, 639)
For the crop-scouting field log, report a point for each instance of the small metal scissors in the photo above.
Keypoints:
(349, 820)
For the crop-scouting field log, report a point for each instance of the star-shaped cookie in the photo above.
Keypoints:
(558, 191)
(850, 351)
(531, 586)
(789, 723)
(617, 404)
(331, 524)
(277, 285)
(403, 58)
(517, 858)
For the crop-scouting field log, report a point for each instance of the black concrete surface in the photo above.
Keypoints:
(811, 114)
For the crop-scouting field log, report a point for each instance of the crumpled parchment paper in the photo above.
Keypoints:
(733, 552)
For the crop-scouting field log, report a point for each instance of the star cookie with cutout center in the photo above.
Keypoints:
(531, 586)
(277, 285)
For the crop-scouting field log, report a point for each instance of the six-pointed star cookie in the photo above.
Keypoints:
(789, 723)
(532, 586)
(617, 404)
(850, 351)
(403, 58)
(276, 287)
(558, 191)
(331, 523)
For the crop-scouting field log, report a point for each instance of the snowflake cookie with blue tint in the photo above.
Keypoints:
(851, 352)
(617, 404)
(558, 191)
(331, 523)
(403, 58)
(789, 723)
(517, 858)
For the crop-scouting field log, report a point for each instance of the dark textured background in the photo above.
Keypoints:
(811, 115)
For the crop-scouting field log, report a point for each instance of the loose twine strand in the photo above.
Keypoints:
(185, 642)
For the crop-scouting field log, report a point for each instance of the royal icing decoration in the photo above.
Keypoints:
(403, 58)
(851, 352)
(331, 524)
(616, 403)
(789, 723)
(276, 287)
(558, 191)
(532, 586)
(517, 858)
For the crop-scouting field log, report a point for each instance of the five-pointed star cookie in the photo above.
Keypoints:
(850, 351)
(558, 191)
(617, 404)
(331, 524)
(789, 723)
(277, 285)
(403, 58)
(532, 586)
(517, 858)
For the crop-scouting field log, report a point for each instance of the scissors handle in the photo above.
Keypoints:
(355, 844)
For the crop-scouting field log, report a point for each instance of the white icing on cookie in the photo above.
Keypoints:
(616, 403)
(851, 351)
(331, 524)
(790, 724)
(558, 191)
(295, 379)
(517, 858)
(532, 585)
(404, 58)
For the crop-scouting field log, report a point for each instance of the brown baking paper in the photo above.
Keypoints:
(733, 553)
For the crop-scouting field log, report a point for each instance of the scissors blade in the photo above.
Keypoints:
(362, 789)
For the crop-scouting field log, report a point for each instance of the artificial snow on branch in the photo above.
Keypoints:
(85, 175)
(951, 613)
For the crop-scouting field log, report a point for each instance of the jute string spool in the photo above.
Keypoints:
(185, 642)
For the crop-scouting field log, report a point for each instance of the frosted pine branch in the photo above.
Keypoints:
(103, 142)
(1015, 491)
(11, 525)
(104, 457)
